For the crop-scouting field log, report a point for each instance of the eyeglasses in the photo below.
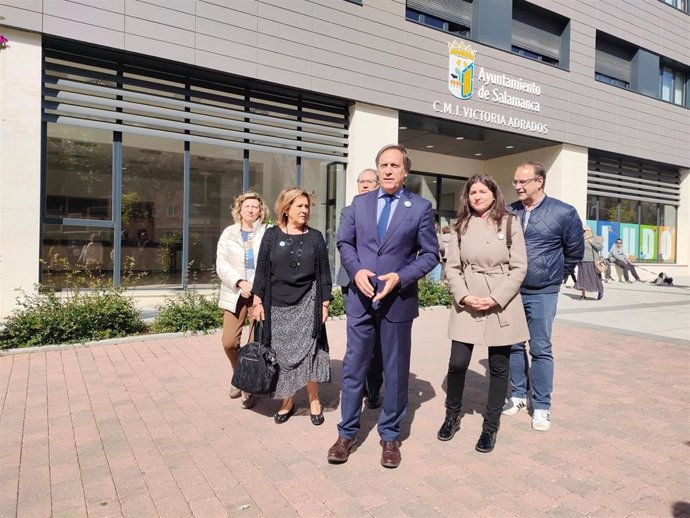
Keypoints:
(522, 182)
(367, 181)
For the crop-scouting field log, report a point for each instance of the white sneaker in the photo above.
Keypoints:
(514, 405)
(541, 420)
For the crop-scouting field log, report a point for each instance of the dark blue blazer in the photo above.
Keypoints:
(409, 248)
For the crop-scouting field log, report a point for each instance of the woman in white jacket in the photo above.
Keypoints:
(238, 250)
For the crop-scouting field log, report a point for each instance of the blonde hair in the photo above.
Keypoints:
(249, 195)
(285, 200)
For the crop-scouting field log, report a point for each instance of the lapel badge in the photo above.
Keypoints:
(500, 236)
(408, 203)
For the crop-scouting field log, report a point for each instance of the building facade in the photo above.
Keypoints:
(128, 127)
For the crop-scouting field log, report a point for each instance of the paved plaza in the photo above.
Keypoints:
(145, 428)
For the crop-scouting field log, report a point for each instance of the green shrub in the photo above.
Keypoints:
(190, 311)
(434, 294)
(45, 318)
(337, 304)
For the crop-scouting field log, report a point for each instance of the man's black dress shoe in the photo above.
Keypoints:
(486, 442)
(282, 418)
(340, 451)
(448, 428)
(390, 454)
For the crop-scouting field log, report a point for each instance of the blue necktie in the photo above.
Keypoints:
(385, 214)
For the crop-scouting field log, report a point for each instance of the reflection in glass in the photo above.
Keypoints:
(628, 211)
(216, 179)
(78, 173)
(451, 189)
(74, 256)
(152, 196)
(269, 173)
(424, 186)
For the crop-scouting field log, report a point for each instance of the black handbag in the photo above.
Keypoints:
(256, 371)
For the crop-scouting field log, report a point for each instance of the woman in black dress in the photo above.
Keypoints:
(292, 293)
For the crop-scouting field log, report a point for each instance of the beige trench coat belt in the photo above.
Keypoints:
(477, 278)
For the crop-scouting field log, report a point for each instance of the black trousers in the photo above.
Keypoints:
(499, 368)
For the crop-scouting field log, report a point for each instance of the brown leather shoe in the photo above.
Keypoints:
(340, 451)
(390, 456)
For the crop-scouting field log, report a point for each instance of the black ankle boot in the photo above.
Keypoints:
(448, 428)
(486, 442)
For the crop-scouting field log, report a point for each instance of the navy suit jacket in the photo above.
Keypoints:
(409, 248)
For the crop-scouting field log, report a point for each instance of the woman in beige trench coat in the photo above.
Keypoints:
(484, 271)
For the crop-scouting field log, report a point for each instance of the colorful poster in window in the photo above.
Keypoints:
(609, 230)
(648, 242)
(629, 233)
(667, 244)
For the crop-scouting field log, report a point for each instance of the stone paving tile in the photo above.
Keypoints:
(147, 429)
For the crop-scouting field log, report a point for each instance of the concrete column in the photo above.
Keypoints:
(683, 228)
(566, 177)
(371, 128)
(20, 165)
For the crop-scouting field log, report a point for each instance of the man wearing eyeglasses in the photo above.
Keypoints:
(555, 244)
(366, 181)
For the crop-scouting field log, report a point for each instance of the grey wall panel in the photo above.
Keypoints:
(225, 63)
(23, 15)
(161, 49)
(230, 14)
(237, 51)
(160, 32)
(77, 12)
(162, 15)
(86, 32)
(371, 54)
(212, 29)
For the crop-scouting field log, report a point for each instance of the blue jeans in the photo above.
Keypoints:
(540, 309)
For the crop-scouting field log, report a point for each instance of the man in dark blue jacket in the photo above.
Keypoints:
(555, 244)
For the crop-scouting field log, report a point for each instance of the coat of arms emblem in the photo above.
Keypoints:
(461, 69)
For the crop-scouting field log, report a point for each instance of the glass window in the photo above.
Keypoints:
(672, 85)
(648, 213)
(269, 173)
(423, 185)
(215, 181)
(78, 173)
(628, 211)
(76, 256)
(152, 176)
(608, 209)
(314, 180)
(451, 189)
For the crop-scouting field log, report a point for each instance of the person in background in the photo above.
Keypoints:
(435, 274)
(236, 254)
(588, 277)
(554, 242)
(484, 271)
(91, 254)
(366, 181)
(292, 293)
(621, 259)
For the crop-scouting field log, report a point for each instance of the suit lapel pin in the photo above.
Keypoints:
(408, 204)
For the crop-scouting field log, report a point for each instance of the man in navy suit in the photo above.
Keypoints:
(387, 243)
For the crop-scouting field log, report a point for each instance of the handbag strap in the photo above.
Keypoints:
(257, 328)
